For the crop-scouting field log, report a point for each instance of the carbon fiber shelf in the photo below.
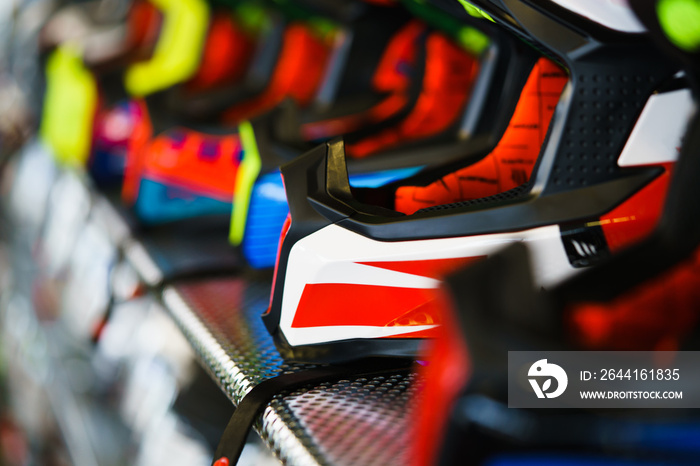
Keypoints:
(360, 421)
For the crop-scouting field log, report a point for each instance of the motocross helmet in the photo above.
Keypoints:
(647, 295)
(207, 184)
(644, 298)
(286, 52)
(71, 83)
(83, 90)
(407, 127)
(580, 173)
(95, 88)
(463, 415)
(228, 52)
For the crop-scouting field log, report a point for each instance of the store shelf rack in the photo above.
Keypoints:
(199, 280)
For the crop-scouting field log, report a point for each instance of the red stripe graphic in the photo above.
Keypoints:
(340, 304)
(331, 304)
(431, 268)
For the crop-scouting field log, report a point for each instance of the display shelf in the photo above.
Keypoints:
(358, 420)
(198, 278)
(182, 251)
(353, 421)
(161, 254)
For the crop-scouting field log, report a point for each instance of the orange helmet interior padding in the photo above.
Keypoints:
(632, 322)
(401, 50)
(143, 26)
(298, 74)
(227, 52)
(389, 77)
(510, 164)
(450, 72)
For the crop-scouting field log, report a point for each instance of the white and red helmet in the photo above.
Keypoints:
(581, 172)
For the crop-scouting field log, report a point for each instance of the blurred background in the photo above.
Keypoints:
(143, 208)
